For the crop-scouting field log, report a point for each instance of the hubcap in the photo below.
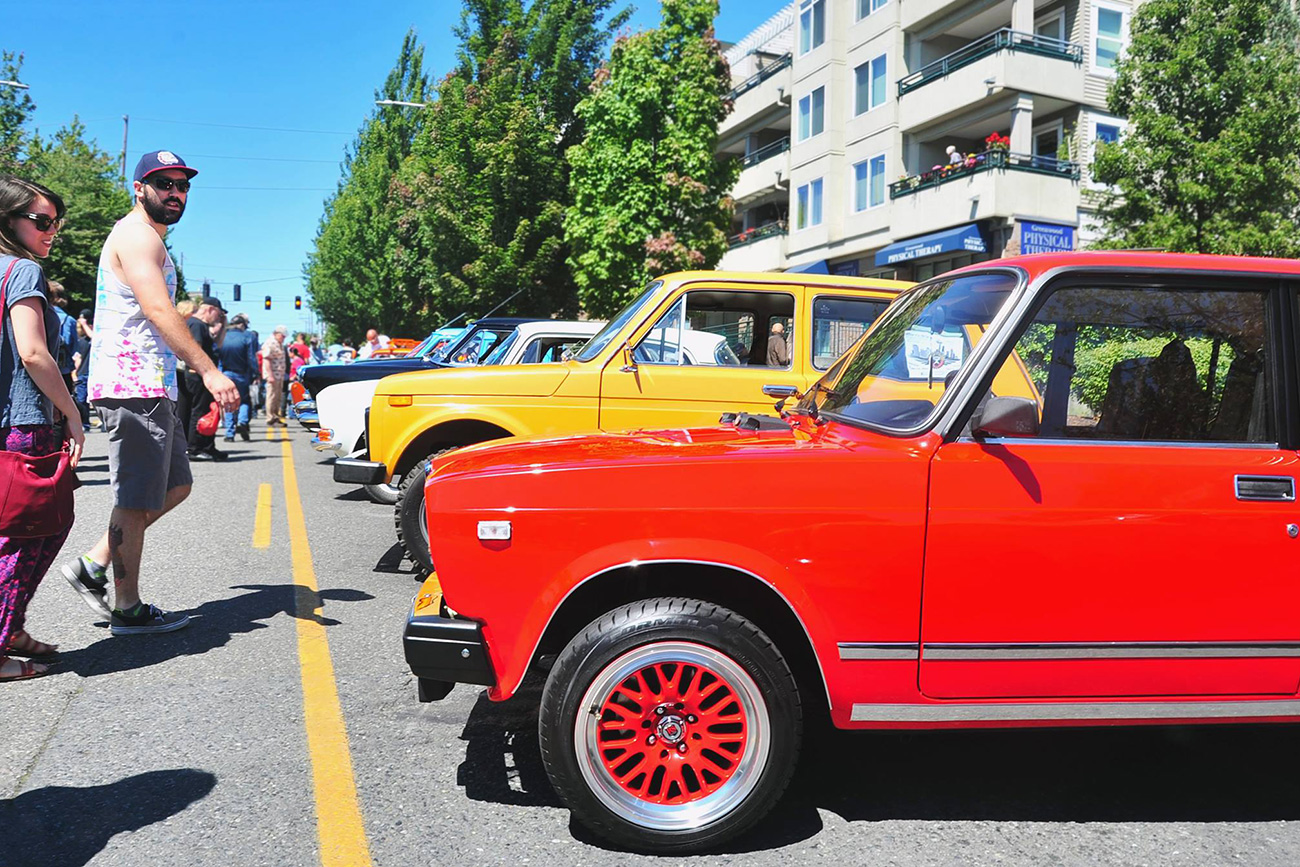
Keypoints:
(672, 736)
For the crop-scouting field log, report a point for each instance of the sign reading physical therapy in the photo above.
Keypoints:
(964, 239)
(1045, 237)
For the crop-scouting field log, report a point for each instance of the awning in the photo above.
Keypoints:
(964, 238)
(817, 266)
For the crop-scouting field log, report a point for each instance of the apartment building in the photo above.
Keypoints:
(903, 138)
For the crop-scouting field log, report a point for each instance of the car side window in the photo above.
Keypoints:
(715, 328)
(1146, 364)
(838, 323)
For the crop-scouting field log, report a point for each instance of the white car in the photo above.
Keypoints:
(342, 407)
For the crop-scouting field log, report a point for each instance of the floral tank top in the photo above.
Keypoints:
(128, 356)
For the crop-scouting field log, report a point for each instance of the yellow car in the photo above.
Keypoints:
(689, 347)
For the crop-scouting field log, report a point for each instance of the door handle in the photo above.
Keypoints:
(1277, 489)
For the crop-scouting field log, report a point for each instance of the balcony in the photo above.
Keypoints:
(759, 249)
(1001, 184)
(762, 171)
(1004, 63)
(762, 100)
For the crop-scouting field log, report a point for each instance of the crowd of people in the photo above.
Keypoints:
(148, 371)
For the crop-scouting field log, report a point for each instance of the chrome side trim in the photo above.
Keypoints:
(1074, 710)
(1113, 650)
(856, 650)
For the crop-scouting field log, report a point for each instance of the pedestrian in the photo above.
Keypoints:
(67, 332)
(317, 354)
(238, 356)
(138, 336)
(195, 399)
(33, 391)
(374, 341)
(273, 372)
(81, 366)
(778, 353)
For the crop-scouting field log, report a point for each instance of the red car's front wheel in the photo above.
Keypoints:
(670, 725)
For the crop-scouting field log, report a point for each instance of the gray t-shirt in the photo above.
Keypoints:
(25, 404)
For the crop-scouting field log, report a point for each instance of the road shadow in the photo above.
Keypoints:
(213, 624)
(90, 483)
(391, 563)
(1147, 774)
(69, 825)
(356, 495)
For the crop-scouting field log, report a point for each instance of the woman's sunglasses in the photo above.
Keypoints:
(165, 184)
(43, 222)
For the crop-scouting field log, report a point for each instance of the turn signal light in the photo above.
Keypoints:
(399, 400)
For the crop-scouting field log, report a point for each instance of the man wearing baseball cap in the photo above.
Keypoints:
(138, 336)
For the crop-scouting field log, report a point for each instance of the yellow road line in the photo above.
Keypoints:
(339, 825)
(262, 522)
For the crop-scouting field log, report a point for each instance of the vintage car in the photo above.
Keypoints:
(1054, 490)
(342, 407)
(432, 353)
(642, 370)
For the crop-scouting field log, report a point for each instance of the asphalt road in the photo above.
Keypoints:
(193, 748)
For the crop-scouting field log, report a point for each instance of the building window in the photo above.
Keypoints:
(812, 114)
(808, 205)
(812, 24)
(869, 183)
(1110, 29)
(869, 84)
(866, 7)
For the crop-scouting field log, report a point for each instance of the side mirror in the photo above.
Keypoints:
(629, 363)
(1005, 417)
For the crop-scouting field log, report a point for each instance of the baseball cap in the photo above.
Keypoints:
(209, 301)
(156, 161)
(281, 329)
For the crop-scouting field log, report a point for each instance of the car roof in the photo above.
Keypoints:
(829, 281)
(565, 326)
(497, 321)
(1041, 263)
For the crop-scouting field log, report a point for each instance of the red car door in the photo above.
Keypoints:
(1142, 542)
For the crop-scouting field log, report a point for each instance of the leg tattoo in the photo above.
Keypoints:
(115, 553)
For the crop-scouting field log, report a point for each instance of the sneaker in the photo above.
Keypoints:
(230, 438)
(215, 453)
(242, 430)
(197, 456)
(90, 580)
(145, 619)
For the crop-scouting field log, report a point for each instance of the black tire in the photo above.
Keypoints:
(408, 516)
(384, 495)
(740, 739)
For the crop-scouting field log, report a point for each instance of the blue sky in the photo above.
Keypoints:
(260, 95)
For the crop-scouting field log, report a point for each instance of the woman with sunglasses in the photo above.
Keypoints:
(31, 392)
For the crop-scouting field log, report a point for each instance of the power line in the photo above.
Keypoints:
(243, 126)
(242, 268)
(276, 189)
(262, 159)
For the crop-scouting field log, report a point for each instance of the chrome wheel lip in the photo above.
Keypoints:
(694, 814)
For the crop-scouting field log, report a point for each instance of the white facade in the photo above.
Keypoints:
(845, 110)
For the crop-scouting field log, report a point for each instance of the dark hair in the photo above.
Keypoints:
(16, 196)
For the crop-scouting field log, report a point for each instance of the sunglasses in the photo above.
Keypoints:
(164, 185)
(43, 222)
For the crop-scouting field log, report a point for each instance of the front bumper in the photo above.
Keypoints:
(354, 471)
(309, 419)
(442, 649)
(324, 442)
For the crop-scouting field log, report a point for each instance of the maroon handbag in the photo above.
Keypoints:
(35, 492)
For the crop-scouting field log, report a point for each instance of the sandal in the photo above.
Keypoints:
(26, 670)
(23, 644)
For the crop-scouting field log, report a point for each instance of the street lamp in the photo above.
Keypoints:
(14, 84)
(400, 102)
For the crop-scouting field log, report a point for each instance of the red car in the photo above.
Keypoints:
(1050, 490)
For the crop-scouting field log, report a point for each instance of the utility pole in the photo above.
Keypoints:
(126, 123)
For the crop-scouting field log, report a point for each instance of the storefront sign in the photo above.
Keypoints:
(1045, 237)
(964, 238)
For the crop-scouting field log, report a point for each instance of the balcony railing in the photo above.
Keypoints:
(999, 40)
(761, 76)
(757, 233)
(765, 152)
(983, 162)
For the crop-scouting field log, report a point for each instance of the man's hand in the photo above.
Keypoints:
(222, 389)
(76, 439)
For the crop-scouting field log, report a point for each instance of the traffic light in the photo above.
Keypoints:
(236, 291)
(267, 303)
(207, 289)
(297, 302)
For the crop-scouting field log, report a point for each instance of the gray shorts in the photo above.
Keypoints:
(146, 450)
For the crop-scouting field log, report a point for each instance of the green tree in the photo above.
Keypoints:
(1209, 162)
(16, 107)
(87, 178)
(356, 273)
(649, 193)
(487, 184)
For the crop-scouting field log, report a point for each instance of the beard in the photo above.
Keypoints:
(157, 209)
